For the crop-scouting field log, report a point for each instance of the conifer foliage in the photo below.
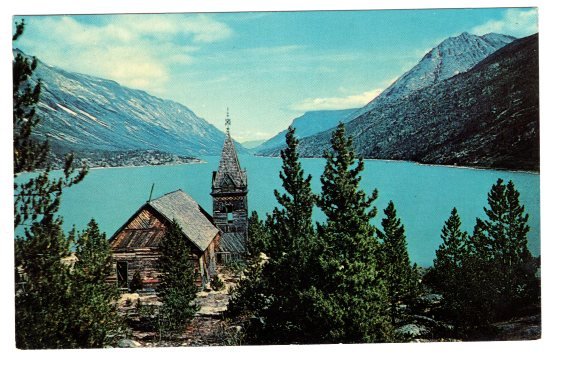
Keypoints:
(501, 242)
(490, 275)
(447, 276)
(62, 299)
(351, 296)
(38, 198)
(400, 276)
(177, 288)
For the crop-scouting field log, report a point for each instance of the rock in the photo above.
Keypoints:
(431, 299)
(412, 330)
(127, 343)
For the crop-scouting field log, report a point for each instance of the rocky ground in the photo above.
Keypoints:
(207, 328)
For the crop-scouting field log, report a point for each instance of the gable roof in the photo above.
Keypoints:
(229, 167)
(195, 221)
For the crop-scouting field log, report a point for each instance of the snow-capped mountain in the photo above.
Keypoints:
(452, 56)
(310, 123)
(485, 117)
(83, 113)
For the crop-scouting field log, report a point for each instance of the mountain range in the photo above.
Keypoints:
(309, 124)
(99, 117)
(377, 127)
(487, 117)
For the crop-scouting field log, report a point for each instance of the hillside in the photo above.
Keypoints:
(486, 117)
(310, 123)
(94, 116)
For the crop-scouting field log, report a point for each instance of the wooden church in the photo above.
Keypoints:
(212, 239)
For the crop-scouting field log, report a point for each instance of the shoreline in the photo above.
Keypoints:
(468, 167)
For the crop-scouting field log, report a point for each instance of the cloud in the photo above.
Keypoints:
(334, 103)
(516, 22)
(135, 50)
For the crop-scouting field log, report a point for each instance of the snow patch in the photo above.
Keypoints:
(67, 110)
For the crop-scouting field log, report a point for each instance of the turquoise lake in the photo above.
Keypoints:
(423, 195)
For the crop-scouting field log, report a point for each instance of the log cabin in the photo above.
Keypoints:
(136, 245)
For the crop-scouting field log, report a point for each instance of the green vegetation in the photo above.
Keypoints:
(61, 297)
(402, 278)
(177, 288)
(346, 281)
(491, 275)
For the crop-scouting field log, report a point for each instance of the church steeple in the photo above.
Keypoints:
(229, 198)
(229, 175)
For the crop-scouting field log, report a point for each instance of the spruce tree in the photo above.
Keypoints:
(177, 288)
(402, 281)
(350, 296)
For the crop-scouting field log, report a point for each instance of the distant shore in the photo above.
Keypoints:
(474, 168)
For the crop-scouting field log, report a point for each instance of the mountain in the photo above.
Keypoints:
(485, 117)
(251, 144)
(86, 114)
(310, 123)
(452, 56)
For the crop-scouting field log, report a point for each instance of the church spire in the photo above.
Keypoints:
(227, 122)
(229, 174)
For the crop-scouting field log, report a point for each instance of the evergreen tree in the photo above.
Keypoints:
(272, 291)
(28, 153)
(258, 236)
(401, 278)
(177, 288)
(38, 198)
(448, 274)
(291, 247)
(96, 319)
(500, 243)
(45, 290)
(350, 298)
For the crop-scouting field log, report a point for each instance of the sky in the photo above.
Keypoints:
(266, 67)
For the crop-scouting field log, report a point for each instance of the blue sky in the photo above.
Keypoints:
(267, 67)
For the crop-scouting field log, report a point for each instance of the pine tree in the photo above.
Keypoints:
(501, 243)
(28, 154)
(396, 269)
(350, 296)
(448, 270)
(97, 321)
(272, 291)
(177, 288)
(258, 236)
(38, 198)
(291, 247)
(45, 288)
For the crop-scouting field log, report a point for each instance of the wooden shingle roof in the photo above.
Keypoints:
(195, 221)
(229, 174)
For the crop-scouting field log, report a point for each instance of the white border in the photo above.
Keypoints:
(546, 360)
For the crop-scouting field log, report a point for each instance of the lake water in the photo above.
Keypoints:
(423, 195)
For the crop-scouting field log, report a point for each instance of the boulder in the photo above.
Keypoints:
(127, 343)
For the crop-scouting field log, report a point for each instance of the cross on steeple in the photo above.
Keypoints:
(227, 122)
